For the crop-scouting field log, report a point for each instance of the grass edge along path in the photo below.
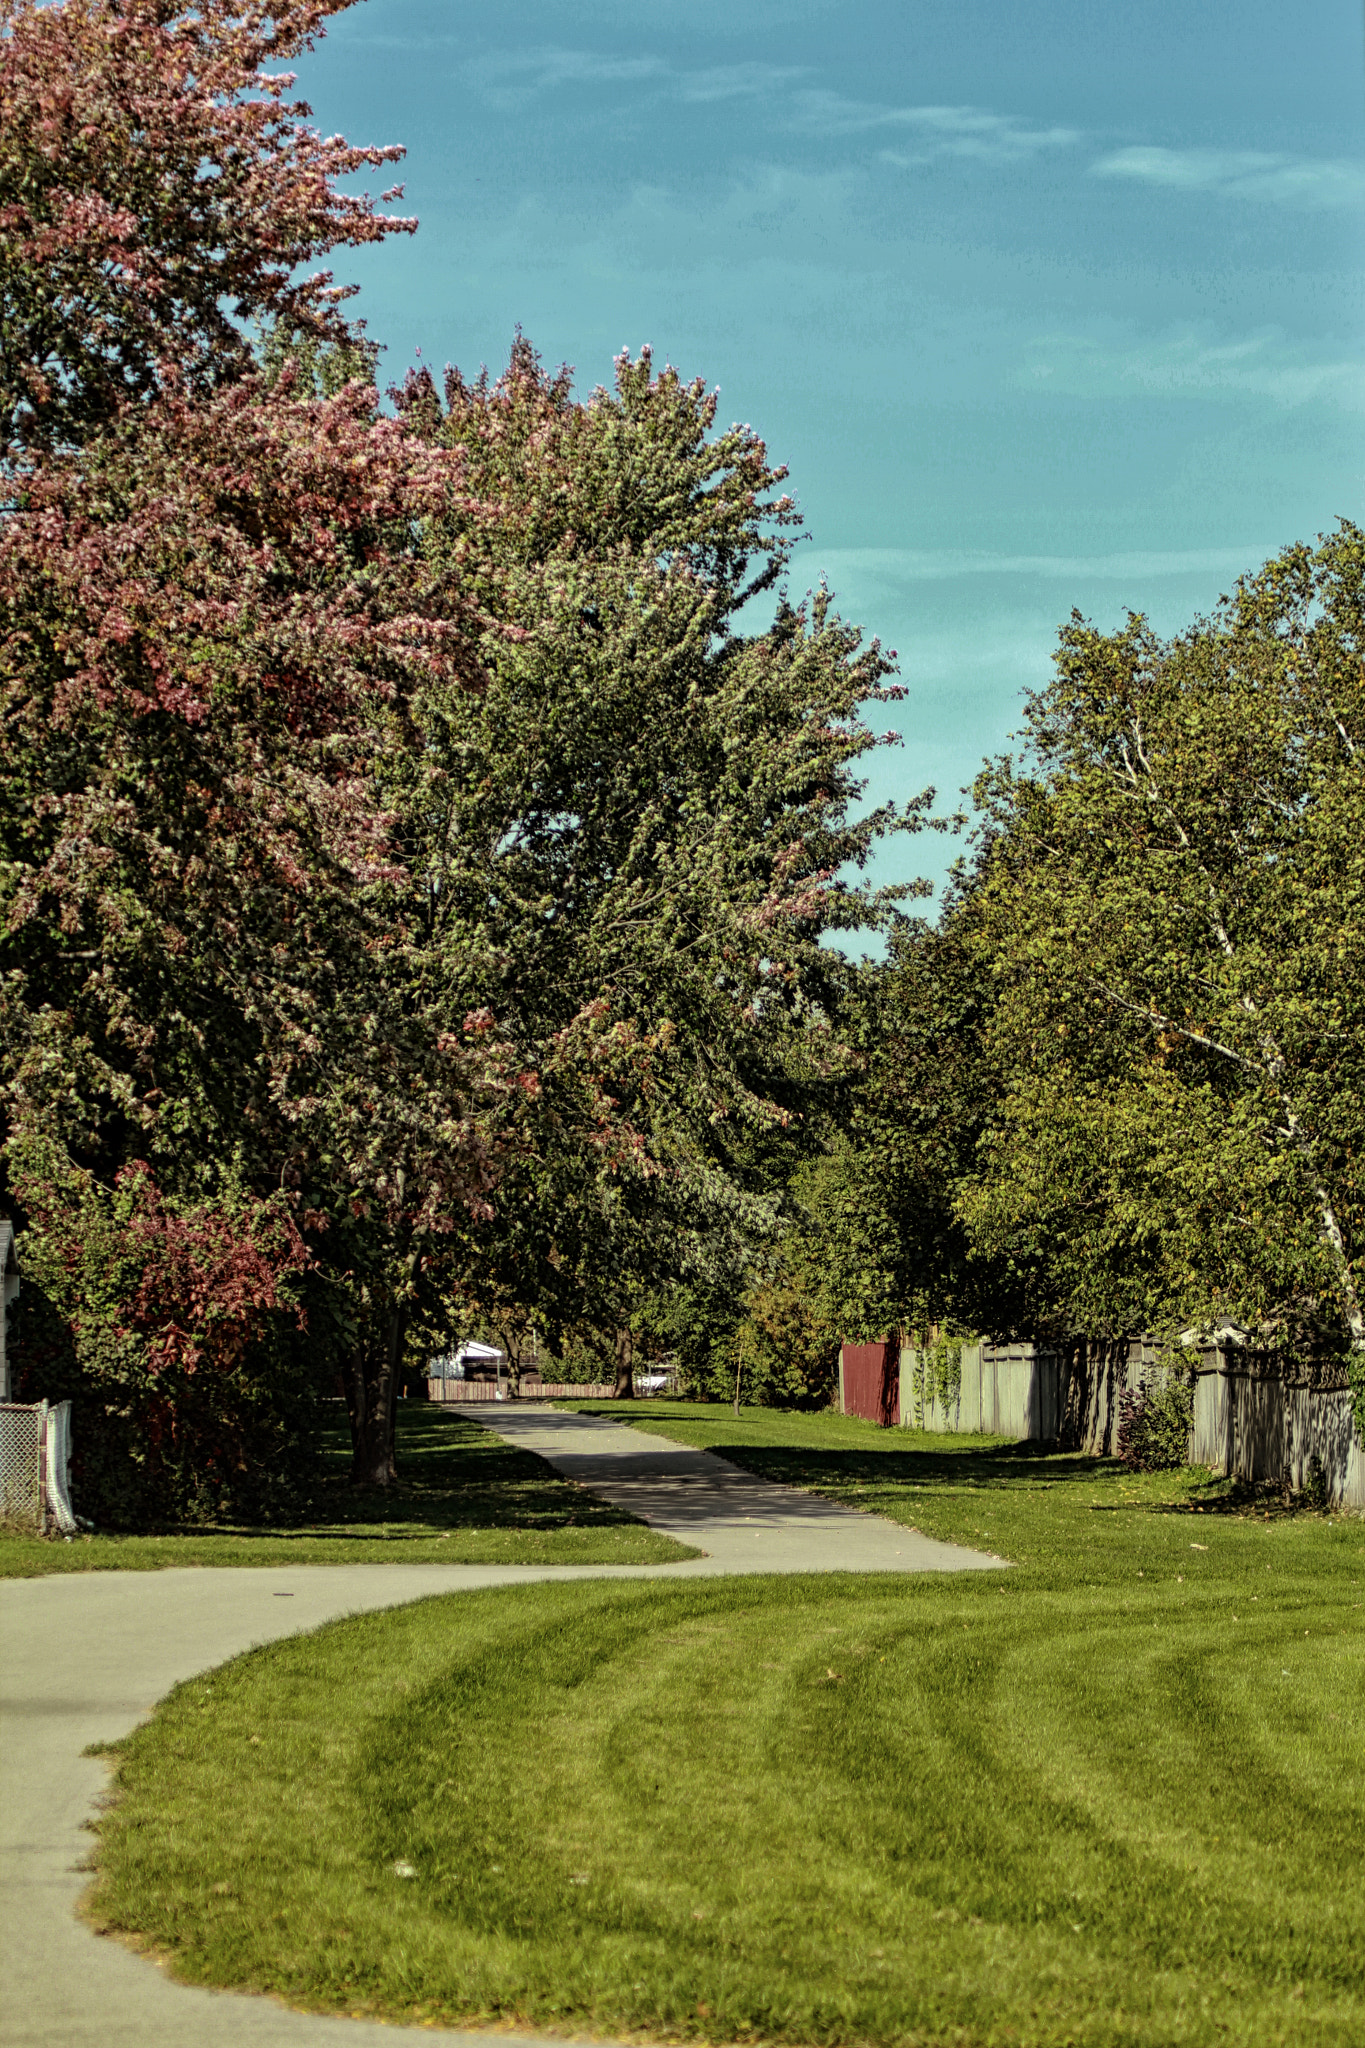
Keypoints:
(1110, 1797)
(463, 1497)
(972, 1490)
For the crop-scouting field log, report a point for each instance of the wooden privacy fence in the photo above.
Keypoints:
(471, 1391)
(1256, 1416)
(1001, 1390)
(869, 1381)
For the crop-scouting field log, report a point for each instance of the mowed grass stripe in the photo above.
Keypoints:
(1024, 1808)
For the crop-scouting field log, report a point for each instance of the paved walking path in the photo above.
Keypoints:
(85, 1656)
(744, 1524)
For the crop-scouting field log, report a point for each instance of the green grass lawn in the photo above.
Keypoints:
(1069, 1514)
(1114, 1795)
(463, 1497)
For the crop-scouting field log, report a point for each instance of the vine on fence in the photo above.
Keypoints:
(937, 1375)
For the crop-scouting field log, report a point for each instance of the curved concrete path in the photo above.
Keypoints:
(744, 1524)
(85, 1656)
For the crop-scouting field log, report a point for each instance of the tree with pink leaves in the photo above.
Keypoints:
(159, 191)
(404, 840)
(213, 609)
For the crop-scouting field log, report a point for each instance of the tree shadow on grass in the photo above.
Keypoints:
(993, 1466)
(1254, 1500)
(896, 1458)
(453, 1475)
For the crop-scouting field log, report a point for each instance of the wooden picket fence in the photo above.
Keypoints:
(474, 1391)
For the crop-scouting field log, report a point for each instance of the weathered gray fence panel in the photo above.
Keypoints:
(1005, 1390)
(1246, 1422)
(1211, 1441)
(1260, 1428)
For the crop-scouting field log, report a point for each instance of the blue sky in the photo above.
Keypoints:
(1044, 305)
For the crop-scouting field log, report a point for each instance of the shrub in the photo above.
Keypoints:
(181, 1339)
(785, 1354)
(1156, 1420)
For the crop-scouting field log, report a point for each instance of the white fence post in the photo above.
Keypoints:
(9, 1292)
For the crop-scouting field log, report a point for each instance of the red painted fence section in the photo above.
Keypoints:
(871, 1379)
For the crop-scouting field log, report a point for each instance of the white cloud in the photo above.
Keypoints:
(927, 565)
(931, 131)
(513, 78)
(735, 81)
(1191, 361)
(1242, 174)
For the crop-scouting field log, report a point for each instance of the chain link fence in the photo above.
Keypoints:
(35, 1460)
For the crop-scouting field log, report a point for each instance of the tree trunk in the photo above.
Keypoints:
(625, 1367)
(371, 1400)
(1075, 1357)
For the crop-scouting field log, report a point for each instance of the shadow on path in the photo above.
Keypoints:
(748, 1519)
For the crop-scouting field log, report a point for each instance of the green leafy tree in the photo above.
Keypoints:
(211, 618)
(631, 844)
(212, 609)
(876, 1233)
(785, 1351)
(1168, 904)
